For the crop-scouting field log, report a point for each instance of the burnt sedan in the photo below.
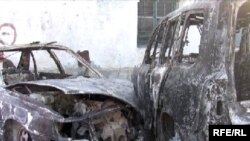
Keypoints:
(50, 93)
(196, 71)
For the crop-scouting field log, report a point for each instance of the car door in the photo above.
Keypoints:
(151, 58)
(161, 69)
(178, 99)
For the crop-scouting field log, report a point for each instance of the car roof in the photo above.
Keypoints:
(192, 6)
(33, 46)
(199, 5)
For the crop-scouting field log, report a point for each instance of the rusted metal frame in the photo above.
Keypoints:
(57, 61)
(35, 65)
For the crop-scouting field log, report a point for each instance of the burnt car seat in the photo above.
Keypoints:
(11, 74)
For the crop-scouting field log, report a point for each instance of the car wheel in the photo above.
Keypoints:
(13, 131)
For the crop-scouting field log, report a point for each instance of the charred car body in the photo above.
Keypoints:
(195, 71)
(50, 93)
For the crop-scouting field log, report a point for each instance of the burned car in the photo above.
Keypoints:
(196, 71)
(49, 92)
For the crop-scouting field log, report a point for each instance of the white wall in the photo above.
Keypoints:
(107, 28)
(185, 2)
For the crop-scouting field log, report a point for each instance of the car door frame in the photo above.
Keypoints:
(143, 77)
(174, 64)
(162, 68)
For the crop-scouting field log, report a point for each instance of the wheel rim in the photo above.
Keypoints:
(24, 135)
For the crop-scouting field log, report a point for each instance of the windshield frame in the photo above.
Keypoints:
(50, 48)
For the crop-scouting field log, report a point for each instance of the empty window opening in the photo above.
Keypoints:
(44, 65)
(189, 50)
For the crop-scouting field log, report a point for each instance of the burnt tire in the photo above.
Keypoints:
(14, 131)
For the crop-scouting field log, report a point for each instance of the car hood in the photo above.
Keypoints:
(116, 88)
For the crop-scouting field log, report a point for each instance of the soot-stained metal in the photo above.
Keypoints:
(41, 104)
(183, 86)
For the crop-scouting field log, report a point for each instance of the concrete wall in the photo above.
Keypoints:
(107, 28)
(187, 2)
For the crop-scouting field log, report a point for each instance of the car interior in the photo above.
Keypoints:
(27, 69)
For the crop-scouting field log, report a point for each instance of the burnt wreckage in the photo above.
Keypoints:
(196, 71)
(50, 93)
